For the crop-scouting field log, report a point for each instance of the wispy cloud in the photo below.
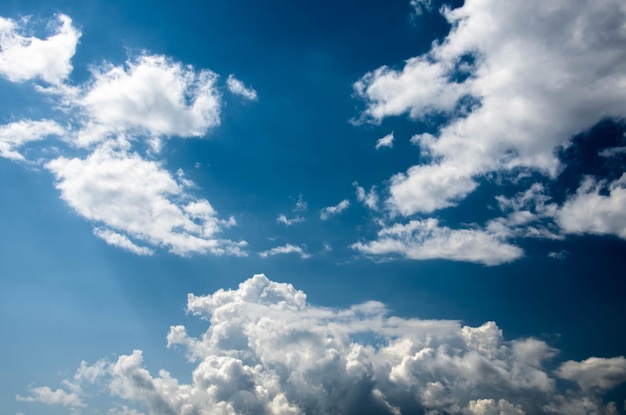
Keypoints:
(16, 134)
(288, 222)
(285, 249)
(301, 205)
(369, 199)
(386, 141)
(329, 211)
(237, 87)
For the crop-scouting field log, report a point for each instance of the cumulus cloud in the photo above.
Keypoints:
(285, 249)
(16, 134)
(151, 94)
(589, 211)
(48, 396)
(386, 141)
(329, 211)
(483, 78)
(237, 87)
(129, 194)
(24, 58)
(426, 239)
(268, 351)
(595, 373)
(426, 188)
(111, 129)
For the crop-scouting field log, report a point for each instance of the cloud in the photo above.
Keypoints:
(121, 241)
(46, 395)
(426, 239)
(268, 351)
(137, 197)
(24, 58)
(559, 255)
(483, 78)
(285, 249)
(16, 134)
(288, 222)
(589, 211)
(530, 214)
(613, 151)
(369, 199)
(386, 141)
(152, 95)
(238, 88)
(329, 211)
(301, 205)
(427, 188)
(595, 372)
(421, 6)
(111, 129)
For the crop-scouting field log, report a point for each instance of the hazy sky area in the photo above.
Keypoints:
(283, 207)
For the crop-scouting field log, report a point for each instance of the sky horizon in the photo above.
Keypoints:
(347, 207)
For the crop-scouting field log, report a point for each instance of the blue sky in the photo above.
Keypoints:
(434, 192)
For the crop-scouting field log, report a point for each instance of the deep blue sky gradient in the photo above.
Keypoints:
(66, 296)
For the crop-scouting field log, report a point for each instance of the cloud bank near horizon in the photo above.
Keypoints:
(268, 351)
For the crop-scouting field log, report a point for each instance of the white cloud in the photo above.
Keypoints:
(530, 214)
(238, 88)
(121, 241)
(612, 151)
(301, 205)
(589, 211)
(369, 199)
(285, 249)
(48, 396)
(595, 372)
(426, 239)
(151, 94)
(267, 350)
(426, 188)
(559, 255)
(515, 118)
(329, 211)
(140, 199)
(16, 134)
(386, 141)
(105, 171)
(24, 58)
(421, 6)
(491, 407)
(420, 88)
(288, 222)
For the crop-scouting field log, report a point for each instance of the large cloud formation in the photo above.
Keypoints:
(268, 351)
(516, 80)
(109, 135)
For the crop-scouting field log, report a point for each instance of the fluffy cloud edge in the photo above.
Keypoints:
(267, 350)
